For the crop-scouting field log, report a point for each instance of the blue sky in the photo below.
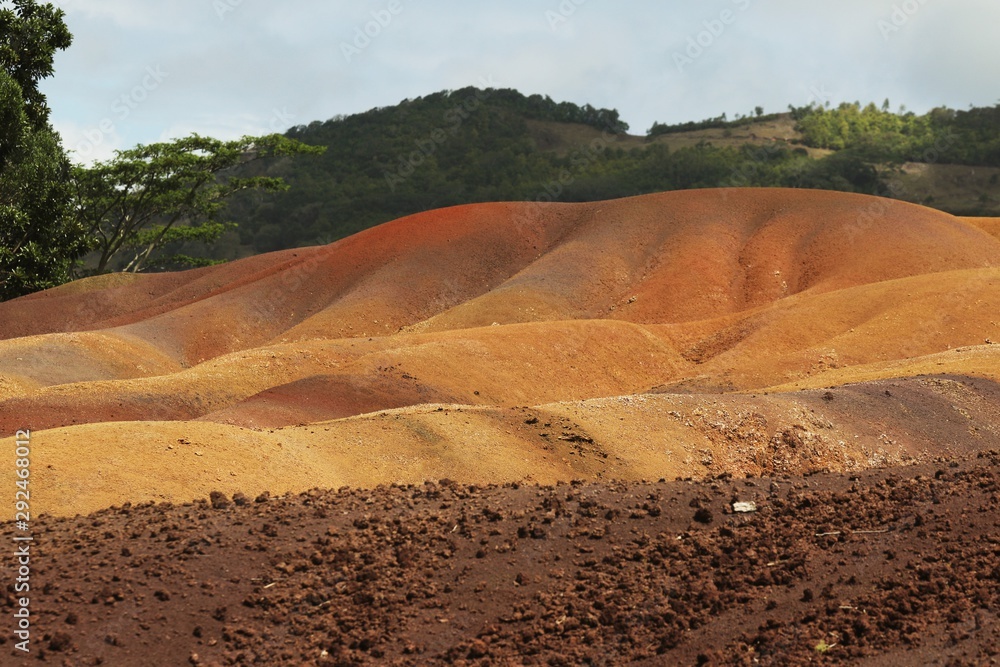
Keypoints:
(142, 70)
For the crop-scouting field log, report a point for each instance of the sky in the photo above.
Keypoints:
(141, 71)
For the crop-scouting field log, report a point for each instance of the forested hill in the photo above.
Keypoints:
(475, 145)
(446, 148)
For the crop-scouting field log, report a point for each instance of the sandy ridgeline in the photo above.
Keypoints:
(682, 334)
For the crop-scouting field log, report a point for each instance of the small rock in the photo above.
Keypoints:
(478, 650)
(703, 516)
(219, 500)
(60, 642)
(745, 506)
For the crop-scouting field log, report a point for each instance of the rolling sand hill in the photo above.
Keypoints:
(681, 334)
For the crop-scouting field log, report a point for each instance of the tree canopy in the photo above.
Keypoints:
(39, 237)
(147, 198)
(30, 35)
(942, 135)
(129, 211)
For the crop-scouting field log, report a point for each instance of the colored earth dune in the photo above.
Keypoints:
(683, 334)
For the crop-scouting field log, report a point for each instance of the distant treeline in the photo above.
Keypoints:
(942, 135)
(717, 123)
(475, 145)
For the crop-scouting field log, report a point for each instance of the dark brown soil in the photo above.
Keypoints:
(897, 566)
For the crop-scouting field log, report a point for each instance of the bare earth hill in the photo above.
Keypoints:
(504, 342)
(705, 335)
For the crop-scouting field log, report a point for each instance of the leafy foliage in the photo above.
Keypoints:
(39, 239)
(941, 135)
(537, 107)
(30, 35)
(152, 197)
(719, 122)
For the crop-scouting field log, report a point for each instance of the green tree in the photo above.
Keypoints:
(149, 197)
(39, 238)
(30, 35)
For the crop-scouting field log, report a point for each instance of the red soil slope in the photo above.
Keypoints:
(683, 255)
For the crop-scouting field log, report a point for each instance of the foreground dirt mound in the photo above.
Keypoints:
(891, 567)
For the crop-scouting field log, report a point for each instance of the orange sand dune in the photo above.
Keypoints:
(495, 307)
(989, 225)
(670, 257)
